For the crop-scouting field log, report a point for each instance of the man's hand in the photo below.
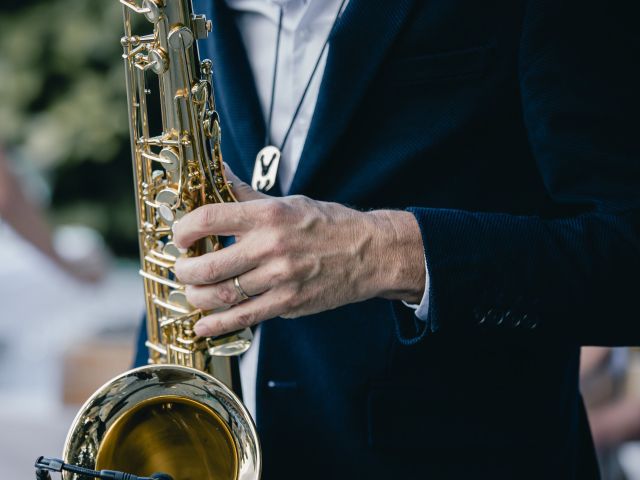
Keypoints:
(295, 256)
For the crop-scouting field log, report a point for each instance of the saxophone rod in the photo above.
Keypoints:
(45, 465)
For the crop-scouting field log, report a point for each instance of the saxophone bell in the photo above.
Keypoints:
(165, 418)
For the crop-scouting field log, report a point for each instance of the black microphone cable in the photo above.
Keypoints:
(45, 465)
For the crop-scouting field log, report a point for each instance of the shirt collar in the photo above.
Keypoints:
(297, 13)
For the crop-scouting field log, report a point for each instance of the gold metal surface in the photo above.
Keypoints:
(158, 434)
(178, 415)
(126, 425)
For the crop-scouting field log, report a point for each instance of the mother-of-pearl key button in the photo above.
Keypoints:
(170, 159)
(167, 199)
(171, 250)
(179, 299)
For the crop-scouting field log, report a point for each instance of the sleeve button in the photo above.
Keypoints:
(532, 323)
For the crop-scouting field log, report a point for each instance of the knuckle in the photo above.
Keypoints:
(290, 265)
(206, 271)
(285, 269)
(206, 216)
(245, 319)
(293, 300)
(290, 302)
(279, 274)
(226, 294)
(280, 239)
(300, 200)
(274, 211)
(276, 247)
(275, 244)
(292, 312)
(217, 325)
(247, 212)
(303, 205)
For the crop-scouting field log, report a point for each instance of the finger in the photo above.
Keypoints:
(215, 267)
(224, 294)
(213, 219)
(242, 315)
(242, 191)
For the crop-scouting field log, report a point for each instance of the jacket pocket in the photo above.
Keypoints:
(436, 67)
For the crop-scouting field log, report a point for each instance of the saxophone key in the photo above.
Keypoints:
(167, 201)
(178, 299)
(157, 60)
(170, 159)
(170, 250)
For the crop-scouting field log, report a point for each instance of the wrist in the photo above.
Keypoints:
(399, 256)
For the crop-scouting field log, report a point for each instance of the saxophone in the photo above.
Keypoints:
(178, 414)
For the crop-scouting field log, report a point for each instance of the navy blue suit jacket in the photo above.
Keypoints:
(509, 128)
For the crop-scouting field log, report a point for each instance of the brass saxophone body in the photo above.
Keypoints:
(178, 415)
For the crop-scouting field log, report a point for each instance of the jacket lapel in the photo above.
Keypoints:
(363, 35)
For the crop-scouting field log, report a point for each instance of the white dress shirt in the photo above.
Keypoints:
(305, 27)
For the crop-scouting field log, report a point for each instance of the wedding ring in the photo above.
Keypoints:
(239, 289)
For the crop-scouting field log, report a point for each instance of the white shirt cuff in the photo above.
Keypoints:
(422, 309)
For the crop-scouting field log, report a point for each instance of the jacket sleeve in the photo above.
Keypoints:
(572, 276)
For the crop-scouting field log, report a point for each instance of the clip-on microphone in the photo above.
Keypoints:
(45, 465)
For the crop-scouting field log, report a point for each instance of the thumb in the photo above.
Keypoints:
(242, 191)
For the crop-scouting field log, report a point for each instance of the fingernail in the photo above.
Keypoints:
(201, 330)
(182, 250)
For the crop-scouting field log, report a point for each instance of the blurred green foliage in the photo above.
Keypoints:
(63, 109)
